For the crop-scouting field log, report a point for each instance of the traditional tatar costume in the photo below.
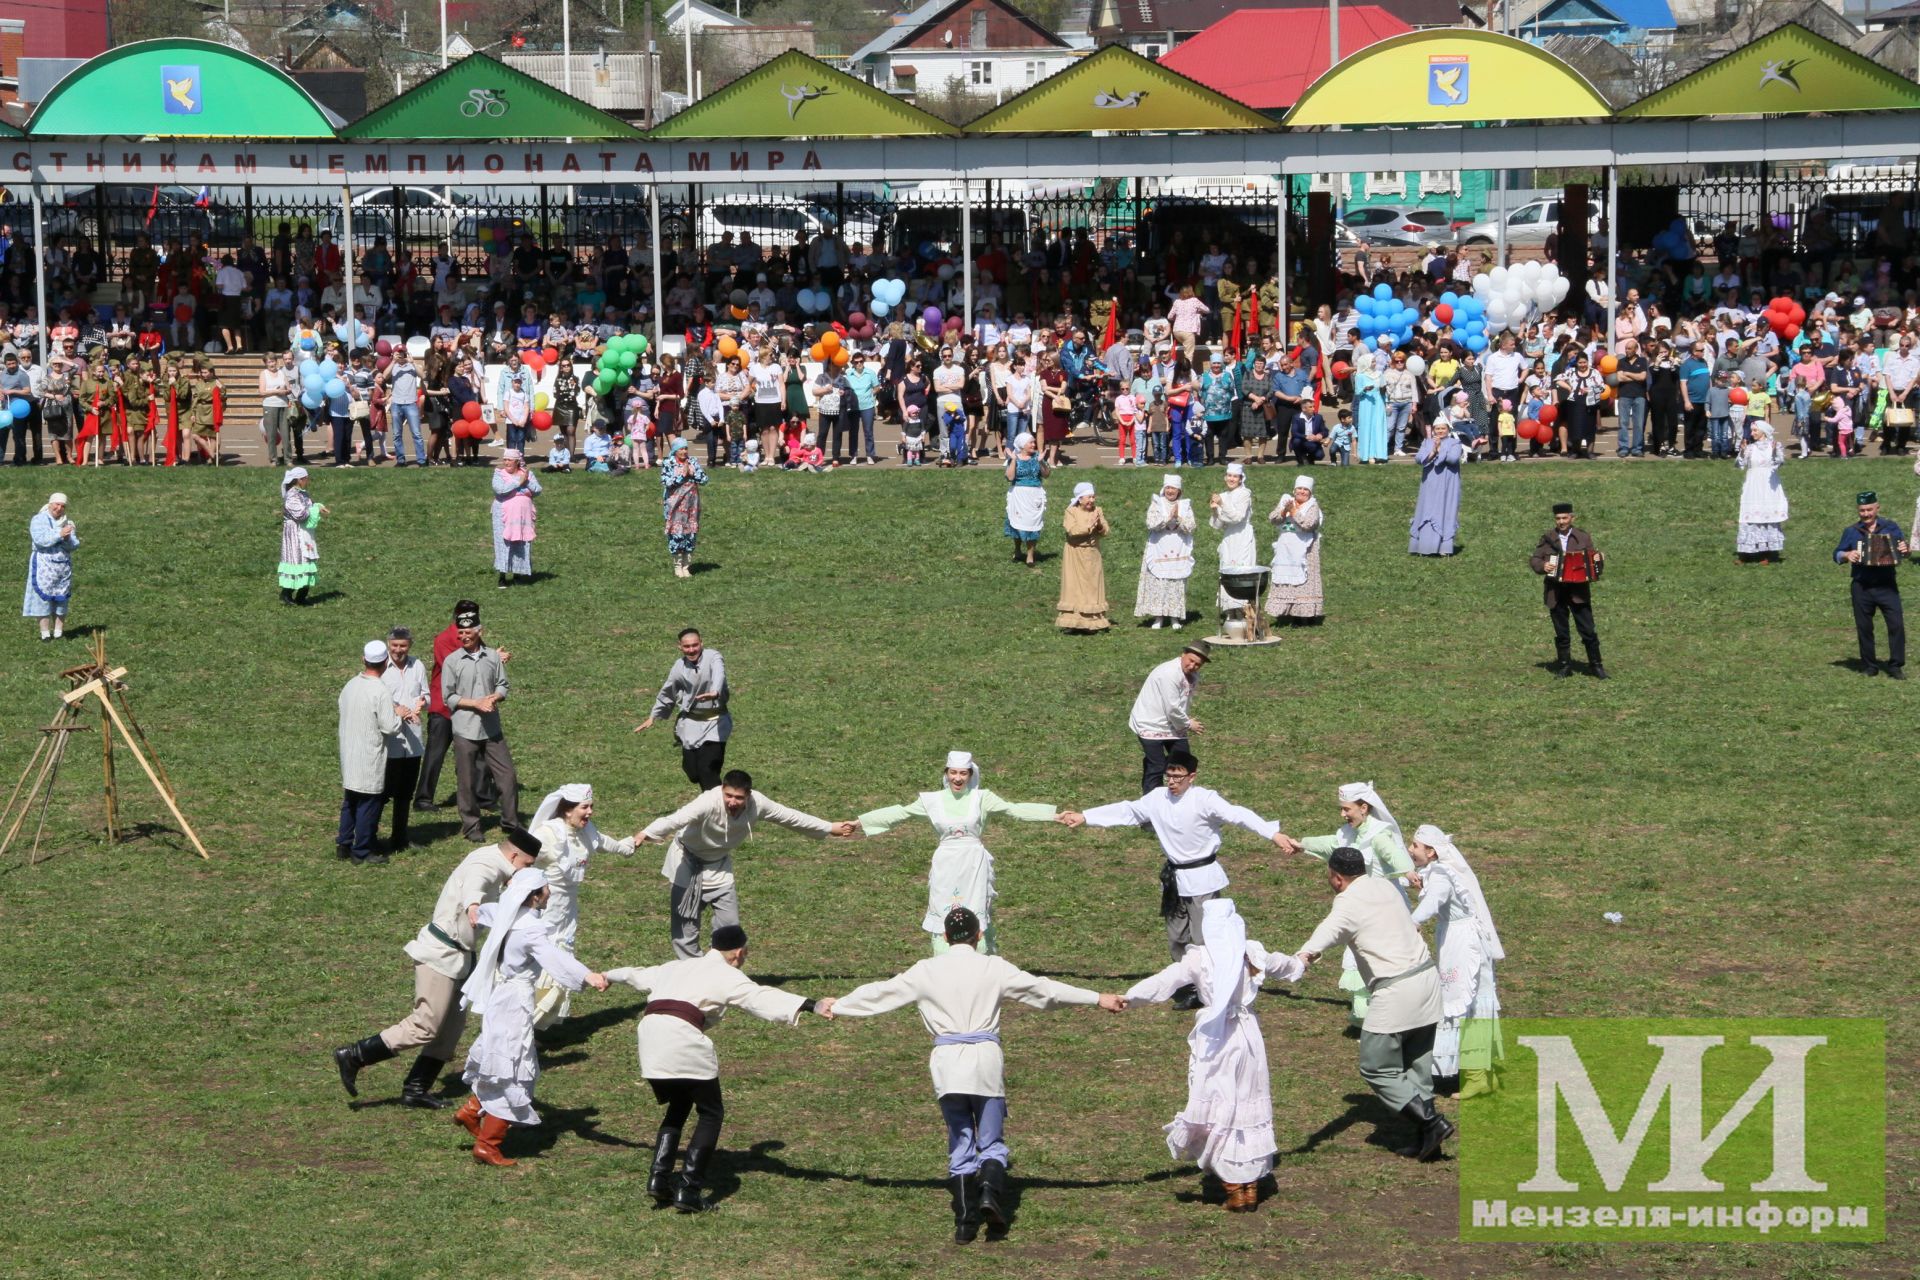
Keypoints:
(1379, 841)
(687, 998)
(503, 1065)
(1167, 562)
(1468, 1043)
(299, 553)
(49, 568)
(699, 861)
(564, 850)
(1296, 592)
(1227, 1124)
(962, 870)
(1239, 549)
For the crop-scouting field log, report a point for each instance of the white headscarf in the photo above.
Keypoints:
(1082, 490)
(961, 760)
(573, 793)
(1022, 440)
(1225, 935)
(56, 499)
(513, 899)
(1172, 480)
(1469, 883)
(1303, 481)
(292, 474)
(1351, 791)
(1235, 469)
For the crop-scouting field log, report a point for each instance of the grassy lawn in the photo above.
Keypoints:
(1737, 794)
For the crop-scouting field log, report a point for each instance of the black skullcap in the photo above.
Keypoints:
(1865, 496)
(1347, 861)
(1563, 508)
(466, 606)
(962, 924)
(523, 840)
(729, 937)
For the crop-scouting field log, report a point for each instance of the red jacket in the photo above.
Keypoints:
(444, 646)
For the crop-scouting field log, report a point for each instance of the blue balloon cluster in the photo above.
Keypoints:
(1469, 319)
(1676, 242)
(1383, 314)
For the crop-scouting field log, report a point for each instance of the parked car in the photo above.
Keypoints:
(431, 214)
(1398, 225)
(774, 223)
(1530, 224)
(161, 213)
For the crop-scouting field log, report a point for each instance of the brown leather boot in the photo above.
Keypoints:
(486, 1146)
(468, 1116)
(1242, 1197)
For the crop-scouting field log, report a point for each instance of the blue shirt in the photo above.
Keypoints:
(1868, 575)
(1697, 374)
(862, 384)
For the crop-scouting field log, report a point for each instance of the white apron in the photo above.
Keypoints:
(1170, 551)
(962, 870)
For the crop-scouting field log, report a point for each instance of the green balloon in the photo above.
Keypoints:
(640, 343)
(628, 359)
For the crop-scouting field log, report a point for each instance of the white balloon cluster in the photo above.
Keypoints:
(1515, 296)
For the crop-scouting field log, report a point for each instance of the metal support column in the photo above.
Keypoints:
(966, 251)
(40, 272)
(346, 259)
(659, 285)
(1609, 233)
(1280, 255)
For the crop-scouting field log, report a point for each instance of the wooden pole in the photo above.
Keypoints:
(46, 763)
(106, 767)
(152, 777)
(46, 792)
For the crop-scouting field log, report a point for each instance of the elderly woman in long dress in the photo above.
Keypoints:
(1227, 1125)
(568, 838)
(962, 871)
(502, 1066)
(1026, 498)
(1167, 562)
(1763, 503)
(299, 553)
(1468, 1043)
(1083, 574)
(680, 480)
(50, 567)
(1436, 513)
(1296, 594)
(1231, 512)
(514, 489)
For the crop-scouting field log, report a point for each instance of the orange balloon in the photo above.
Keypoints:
(819, 352)
(840, 356)
(1609, 364)
(830, 340)
(728, 347)
(1606, 393)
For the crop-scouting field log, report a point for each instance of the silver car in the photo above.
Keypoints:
(1399, 225)
(1531, 223)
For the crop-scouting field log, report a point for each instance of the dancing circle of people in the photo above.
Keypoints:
(503, 937)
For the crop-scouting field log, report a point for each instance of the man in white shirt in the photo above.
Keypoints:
(1403, 985)
(1899, 373)
(406, 681)
(231, 284)
(367, 716)
(1505, 369)
(1159, 718)
(701, 836)
(959, 994)
(1186, 820)
(442, 956)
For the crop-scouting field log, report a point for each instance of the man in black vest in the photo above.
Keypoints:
(1569, 564)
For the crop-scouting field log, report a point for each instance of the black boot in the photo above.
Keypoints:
(1563, 664)
(1593, 664)
(966, 1208)
(353, 1058)
(666, 1145)
(300, 596)
(993, 1198)
(693, 1176)
(1433, 1131)
(506, 580)
(286, 595)
(420, 1078)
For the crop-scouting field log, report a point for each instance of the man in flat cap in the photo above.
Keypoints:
(1874, 547)
(1160, 718)
(1569, 565)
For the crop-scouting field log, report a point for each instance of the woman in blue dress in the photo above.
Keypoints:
(680, 481)
(1026, 499)
(1369, 409)
(50, 567)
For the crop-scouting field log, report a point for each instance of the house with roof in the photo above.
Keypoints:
(701, 16)
(1154, 28)
(986, 47)
(1266, 58)
(1618, 21)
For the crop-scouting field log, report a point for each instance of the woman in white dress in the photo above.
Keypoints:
(1763, 503)
(962, 870)
(1227, 1124)
(1026, 496)
(1296, 594)
(1468, 1043)
(502, 1065)
(1168, 560)
(1231, 512)
(564, 826)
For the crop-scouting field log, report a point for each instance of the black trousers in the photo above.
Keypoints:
(704, 764)
(1153, 769)
(31, 423)
(683, 1096)
(1887, 600)
(1663, 417)
(403, 774)
(439, 739)
(1582, 612)
(1696, 441)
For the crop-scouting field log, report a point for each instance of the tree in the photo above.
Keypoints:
(953, 102)
(130, 20)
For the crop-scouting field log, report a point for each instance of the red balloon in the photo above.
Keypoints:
(1528, 429)
(1549, 414)
(533, 361)
(1443, 313)
(551, 355)
(1738, 395)
(1791, 332)
(542, 420)
(1341, 369)
(471, 411)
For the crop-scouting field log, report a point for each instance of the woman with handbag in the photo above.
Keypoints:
(1056, 412)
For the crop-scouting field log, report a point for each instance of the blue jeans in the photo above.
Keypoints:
(399, 418)
(1016, 420)
(976, 1128)
(518, 437)
(1633, 425)
(359, 819)
(866, 425)
(1399, 414)
(1720, 432)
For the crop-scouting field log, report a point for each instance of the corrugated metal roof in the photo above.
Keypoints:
(609, 81)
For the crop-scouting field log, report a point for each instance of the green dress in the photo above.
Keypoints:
(962, 870)
(1386, 855)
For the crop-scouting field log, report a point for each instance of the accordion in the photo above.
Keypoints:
(1577, 566)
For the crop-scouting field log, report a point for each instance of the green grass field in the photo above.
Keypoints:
(1739, 795)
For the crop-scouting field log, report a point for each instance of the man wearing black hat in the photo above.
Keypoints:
(959, 994)
(1567, 561)
(1874, 547)
(1403, 988)
(1160, 718)
(442, 955)
(679, 1061)
(466, 613)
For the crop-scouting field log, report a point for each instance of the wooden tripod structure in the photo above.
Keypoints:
(99, 683)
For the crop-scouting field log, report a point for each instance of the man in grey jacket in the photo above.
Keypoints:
(473, 683)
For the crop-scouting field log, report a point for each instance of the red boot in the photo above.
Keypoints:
(468, 1116)
(486, 1146)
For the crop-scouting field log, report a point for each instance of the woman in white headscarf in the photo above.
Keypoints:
(962, 870)
(1167, 562)
(514, 489)
(50, 567)
(1227, 1125)
(1763, 503)
(1083, 574)
(1296, 594)
(564, 826)
(1368, 825)
(503, 1065)
(1231, 512)
(299, 553)
(1468, 1043)
(1026, 496)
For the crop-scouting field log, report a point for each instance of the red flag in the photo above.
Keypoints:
(1237, 338)
(1112, 334)
(1253, 314)
(219, 406)
(120, 433)
(173, 427)
(89, 428)
(153, 206)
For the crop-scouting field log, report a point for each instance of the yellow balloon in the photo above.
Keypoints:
(541, 400)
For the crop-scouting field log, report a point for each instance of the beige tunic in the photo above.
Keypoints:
(1083, 575)
(704, 836)
(479, 878)
(1370, 916)
(674, 1049)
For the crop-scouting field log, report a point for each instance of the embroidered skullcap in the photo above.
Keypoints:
(729, 937)
(961, 924)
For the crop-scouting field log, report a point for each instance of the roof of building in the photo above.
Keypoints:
(911, 24)
(1144, 17)
(1266, 58)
